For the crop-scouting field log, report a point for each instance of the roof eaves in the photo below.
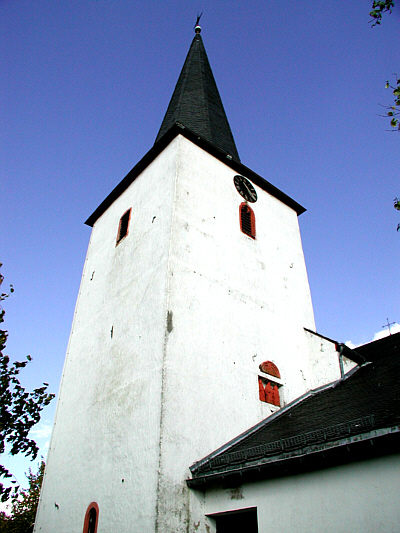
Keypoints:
(341, 348)
(213, 150)
(288, 445)
(382, 441)
(321, 336)
(154, 151)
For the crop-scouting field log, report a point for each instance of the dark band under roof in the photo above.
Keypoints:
(196, 102)
(178, 129)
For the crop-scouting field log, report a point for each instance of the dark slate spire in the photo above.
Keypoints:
(196, 102)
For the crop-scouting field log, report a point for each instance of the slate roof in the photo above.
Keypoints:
(355, 417)
(375, 350)
(196, 102)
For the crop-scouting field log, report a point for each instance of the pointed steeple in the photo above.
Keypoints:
(196, 102)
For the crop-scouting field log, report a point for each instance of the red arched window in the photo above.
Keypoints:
(247, 220)
(123, 225)
(269, 388)
(91, 518)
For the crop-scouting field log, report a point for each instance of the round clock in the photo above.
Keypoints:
(245, 188)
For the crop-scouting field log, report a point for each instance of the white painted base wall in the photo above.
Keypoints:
(358, 497)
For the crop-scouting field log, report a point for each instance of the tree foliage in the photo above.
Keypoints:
(379, 8)
(24, 505)
(397, 206)
(394, 110)
(19, 409)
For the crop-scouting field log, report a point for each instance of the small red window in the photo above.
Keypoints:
(91, 518)
(269, 388)
(268, 392)
(247, 220)
(123, 225)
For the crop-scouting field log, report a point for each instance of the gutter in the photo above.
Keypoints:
(353, 355)
(375, 443)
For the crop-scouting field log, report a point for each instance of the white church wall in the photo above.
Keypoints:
(355, 497)
(233, 302)
(324, 360)
(105, 444)
(348, 365)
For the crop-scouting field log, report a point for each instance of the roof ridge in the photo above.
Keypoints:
(203, 92)
(184, 75)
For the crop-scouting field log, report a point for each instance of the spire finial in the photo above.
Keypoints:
(197, 28)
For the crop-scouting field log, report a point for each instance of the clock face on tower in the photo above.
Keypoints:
(245, 188)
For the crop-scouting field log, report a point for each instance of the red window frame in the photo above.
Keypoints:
(268, 388)
(269, 392)
(247, 220)
(92, 505)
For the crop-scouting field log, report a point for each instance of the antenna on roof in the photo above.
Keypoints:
(197, 28)
(388, 324)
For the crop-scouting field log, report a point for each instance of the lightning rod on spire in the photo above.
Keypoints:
(197, 27)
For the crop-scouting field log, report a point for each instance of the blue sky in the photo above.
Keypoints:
(84, 87)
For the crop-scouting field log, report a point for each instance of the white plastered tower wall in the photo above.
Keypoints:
(169, 330)
(105, 442)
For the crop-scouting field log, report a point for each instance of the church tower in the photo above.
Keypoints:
(188, 328)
